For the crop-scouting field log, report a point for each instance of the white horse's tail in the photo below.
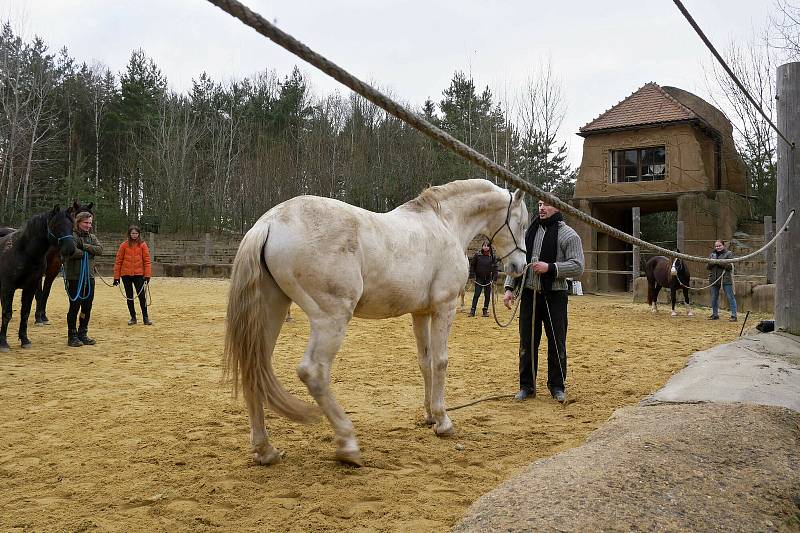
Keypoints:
(252, 328)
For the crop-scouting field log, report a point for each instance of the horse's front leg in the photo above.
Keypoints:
(441, 321)
(686, 302)
(327, 334)
(6, 301)
(422, 332)
(27, 301)
(673, 292)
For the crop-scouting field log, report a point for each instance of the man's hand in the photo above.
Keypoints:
(540, 267)
(508, 298)
(147, 280)
(116, 282)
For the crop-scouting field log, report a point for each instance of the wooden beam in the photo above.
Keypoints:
(787, 276)
(636, 213)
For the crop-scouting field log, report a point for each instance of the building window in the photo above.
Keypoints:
(638, 164)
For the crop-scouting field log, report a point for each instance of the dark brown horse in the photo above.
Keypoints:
(668, 273)
(52, 268)
(22, 265)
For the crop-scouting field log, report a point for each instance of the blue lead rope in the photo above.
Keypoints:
(84, 289)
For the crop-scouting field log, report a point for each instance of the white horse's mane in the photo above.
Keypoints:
(431, 197)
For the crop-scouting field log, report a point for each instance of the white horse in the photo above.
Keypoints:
(337, 261)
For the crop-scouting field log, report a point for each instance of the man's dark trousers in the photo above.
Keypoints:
(556, 333)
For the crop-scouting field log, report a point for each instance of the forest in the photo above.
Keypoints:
(216, 157)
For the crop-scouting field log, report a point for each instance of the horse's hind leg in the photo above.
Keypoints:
(263, 452)
(6, 301)
(422, 332)
(440, 330)
(327, 334)
(656, 290)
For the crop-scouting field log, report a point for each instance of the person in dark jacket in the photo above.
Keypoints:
(721, 276)
(484, 268)
(79, 273)
(555, 253)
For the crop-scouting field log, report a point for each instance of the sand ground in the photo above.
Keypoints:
(136, 433)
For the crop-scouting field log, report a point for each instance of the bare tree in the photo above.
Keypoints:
(753, 63)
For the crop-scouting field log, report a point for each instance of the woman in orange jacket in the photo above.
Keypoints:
(133, 266)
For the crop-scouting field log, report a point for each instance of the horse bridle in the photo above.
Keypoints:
(507, 225)
(57, 239)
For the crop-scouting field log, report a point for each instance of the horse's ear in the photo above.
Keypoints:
(89, 207)
(75, 206)
(518, 195)
(55, 210)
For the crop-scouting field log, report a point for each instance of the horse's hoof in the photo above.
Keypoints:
(429, 420)
(674, 313)
(689, 314)
(350, 457)
(27, 345)
(38, 323)
(271, 457)
(446, 430)
(4, 348)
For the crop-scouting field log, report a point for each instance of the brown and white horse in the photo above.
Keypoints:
(670, 274)
(337, 261)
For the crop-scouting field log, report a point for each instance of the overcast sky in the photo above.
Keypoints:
(602, 51)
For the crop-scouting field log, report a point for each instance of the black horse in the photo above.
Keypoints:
(52, 268)
(672, 274)
(22, 263)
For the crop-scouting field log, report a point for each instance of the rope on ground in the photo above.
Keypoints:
(488, 398)
(283, 39)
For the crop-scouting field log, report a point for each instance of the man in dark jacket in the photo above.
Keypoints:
(555, 253)
(484, 268)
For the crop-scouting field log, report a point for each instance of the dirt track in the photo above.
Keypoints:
(137, 433)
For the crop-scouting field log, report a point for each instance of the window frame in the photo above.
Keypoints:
(617, 156)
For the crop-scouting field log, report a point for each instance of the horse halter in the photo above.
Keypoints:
(506, 225)
(57, 239)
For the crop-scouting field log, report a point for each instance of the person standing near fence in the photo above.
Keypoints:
(484, 268)
(721, 276)
(79, 277)
(556, 253)
(133, 266)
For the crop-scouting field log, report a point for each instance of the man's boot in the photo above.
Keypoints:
(73, 340)
(471, 312)
(485, 312)
(82, 336)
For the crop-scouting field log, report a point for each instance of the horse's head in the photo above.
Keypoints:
(76, 208)
(59, 230)
(508, 238)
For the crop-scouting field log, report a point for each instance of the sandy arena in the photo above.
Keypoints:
(136, 433)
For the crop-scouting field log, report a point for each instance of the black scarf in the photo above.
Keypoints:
(549, 250)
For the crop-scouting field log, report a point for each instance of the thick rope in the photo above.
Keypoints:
(265, 28)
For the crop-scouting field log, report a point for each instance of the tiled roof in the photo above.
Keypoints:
(649, 105)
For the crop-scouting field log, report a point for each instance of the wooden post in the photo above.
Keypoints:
(787, 275)
(769, 253)
(152, 245)
(680, 238)
(207, 248)
(636, 233)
